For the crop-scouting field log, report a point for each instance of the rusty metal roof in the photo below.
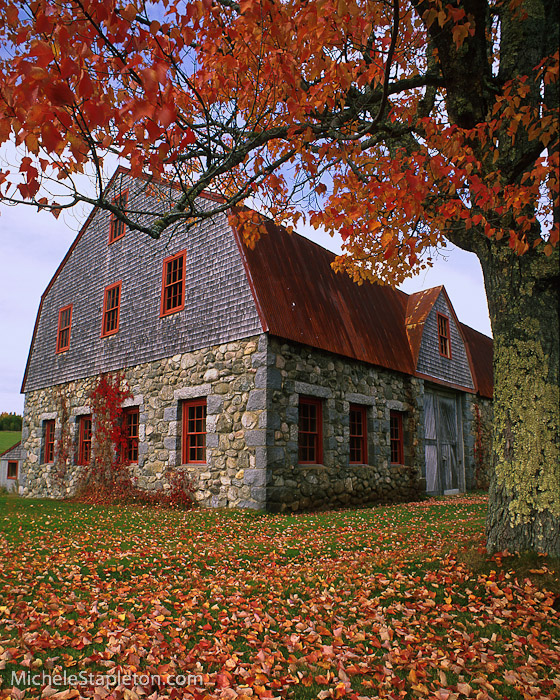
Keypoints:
(300, 298)
(481, 352)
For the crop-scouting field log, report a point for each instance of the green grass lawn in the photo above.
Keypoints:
(8, 438)
(385, 602)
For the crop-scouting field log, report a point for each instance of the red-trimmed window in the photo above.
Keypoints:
(194, 432)
(84, 440)
(130, 425)
(310, 430)
(63, 333)
(117, 226)
(173, 284)
(358, 434)
(111, 309)
(12, 470)
(397, 440)
(48, 442)
(443, 335)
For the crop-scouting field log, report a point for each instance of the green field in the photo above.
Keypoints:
(386, 602)
(8, 438)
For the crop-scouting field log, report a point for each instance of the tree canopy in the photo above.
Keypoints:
(10, 421)
(400, 124)
(396, 124)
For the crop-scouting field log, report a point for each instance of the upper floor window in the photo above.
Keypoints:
(63, 333)
(358, 435)
(397, 438)
(130, 430)
(194, 432)
(111, 307)
(443, 335)
(84, 440)
(310, 430)
(48, 441)
(12, 470)
(173, 285)
(117, 226)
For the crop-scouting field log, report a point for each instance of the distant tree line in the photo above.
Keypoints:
(10, 421)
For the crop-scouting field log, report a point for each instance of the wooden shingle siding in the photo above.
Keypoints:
(219, 305)
(454, 370)
(15, 454)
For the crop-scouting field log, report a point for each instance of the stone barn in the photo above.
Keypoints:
(273, 382)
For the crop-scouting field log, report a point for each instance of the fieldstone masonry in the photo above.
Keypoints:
(227, 375)
(252, 389)
(300, 370)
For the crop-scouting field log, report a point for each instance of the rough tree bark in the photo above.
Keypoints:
(523, 297)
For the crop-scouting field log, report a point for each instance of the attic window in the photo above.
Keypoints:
(443, 335)
(63, 333)
(117, 226)
(111, 307)
(173, 284)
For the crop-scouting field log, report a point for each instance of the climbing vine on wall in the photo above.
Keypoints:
(107, 469)
(108, 477)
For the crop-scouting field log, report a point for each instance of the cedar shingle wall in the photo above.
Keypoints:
(219, 305)
(455, 370)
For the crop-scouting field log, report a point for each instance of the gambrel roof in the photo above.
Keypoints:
(285, 286)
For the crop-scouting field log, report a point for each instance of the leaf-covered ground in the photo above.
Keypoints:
(370, 603)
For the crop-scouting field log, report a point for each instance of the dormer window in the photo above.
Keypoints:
(443, 336)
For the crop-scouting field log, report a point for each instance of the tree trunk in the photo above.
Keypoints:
(523, 299)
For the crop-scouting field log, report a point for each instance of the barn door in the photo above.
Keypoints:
(443, 444)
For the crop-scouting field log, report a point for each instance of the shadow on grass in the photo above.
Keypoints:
(543, 571)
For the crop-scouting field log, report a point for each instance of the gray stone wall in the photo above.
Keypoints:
(229, 375)
(219, 305)
(252, 389)
(456, 369)
(300, 370)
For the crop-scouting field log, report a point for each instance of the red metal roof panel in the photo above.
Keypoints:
(481, 349)
(302, 299)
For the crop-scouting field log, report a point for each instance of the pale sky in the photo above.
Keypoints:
(32, 245)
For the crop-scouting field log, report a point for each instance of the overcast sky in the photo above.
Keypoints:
(33, 244)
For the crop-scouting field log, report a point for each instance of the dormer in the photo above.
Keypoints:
(437, 341)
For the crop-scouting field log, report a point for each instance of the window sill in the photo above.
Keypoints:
(170, 313)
